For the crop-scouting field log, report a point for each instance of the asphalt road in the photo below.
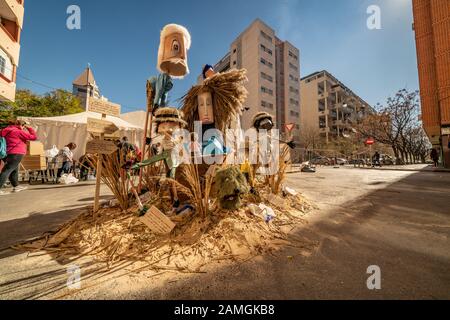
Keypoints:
(396, 220)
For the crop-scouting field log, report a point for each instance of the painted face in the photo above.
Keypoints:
(168, 127)
(174, 58)
(205, 108)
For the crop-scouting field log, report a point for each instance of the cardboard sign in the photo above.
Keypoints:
(101, 126)
(157, 221)
(276, 201)
(100, 146)
(104, 107)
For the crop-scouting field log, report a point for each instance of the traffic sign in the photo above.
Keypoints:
(104, 107)
(101, 126)
(370, 141)
(100, 146)
(289, 127)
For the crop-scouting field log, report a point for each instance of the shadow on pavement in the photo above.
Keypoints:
(403, 228)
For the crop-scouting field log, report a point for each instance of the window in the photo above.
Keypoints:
(2, 65)
(268, 91)
(291, 89)
(293, 67)
(234, 63)
(266, 36)
(295, 114)
(266, 63)
(293, 56)
(266, 77)
(267, 105)
(265, 49)
(294, 102)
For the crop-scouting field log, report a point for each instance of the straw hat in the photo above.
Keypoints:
(169, 114)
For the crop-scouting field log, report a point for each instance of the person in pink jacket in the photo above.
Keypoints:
(16, 135)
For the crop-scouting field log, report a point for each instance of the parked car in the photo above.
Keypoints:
(324, 161)
(341, 161)
(387, 160)
(357, 161)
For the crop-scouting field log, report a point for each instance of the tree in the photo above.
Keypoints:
(396, 124)
(27, 104)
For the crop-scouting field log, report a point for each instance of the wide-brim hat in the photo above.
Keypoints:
(261, 116)
(169, 114)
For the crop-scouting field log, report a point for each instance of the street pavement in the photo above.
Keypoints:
(41, 208)
(398, 220)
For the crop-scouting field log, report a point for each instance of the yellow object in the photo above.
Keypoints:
(35, 148)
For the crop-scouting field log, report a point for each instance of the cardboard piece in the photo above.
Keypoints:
(101, 126)
(35, 148)
(276, 201)
(100, 146)
(104, 107)
(34, 162)
(157, 221)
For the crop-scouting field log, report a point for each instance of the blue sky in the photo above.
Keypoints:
(120, 40)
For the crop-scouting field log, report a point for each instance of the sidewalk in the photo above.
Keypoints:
(409, 167)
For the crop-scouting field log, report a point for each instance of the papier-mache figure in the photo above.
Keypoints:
(172, 63)
(216, 103)
(172, 54)
(167, 121)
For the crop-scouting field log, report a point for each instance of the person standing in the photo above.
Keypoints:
(67, 158)
(434, 155)
(376, 160)
(16, 135)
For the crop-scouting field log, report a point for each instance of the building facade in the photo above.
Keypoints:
(85, 87)
(273, 71)
(11, 22)
(329, 107)
(432, 33)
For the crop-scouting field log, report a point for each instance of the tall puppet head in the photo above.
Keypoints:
(172, 54)
(218, 100)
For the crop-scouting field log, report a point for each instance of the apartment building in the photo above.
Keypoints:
(329, 107)
(273, 70)
(11, 22)
(432, 32)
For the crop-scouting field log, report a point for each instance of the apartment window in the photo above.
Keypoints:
(265, 49)
(291, 89)
(267, 105)
(294, 102)
(293, 67)
(266, 63)
(234, 51)
(268, 91)
(266, 36)
(293, 56)
(234, 63)
(295, 79)
(266, 77)
(2, 65)
(295, 114)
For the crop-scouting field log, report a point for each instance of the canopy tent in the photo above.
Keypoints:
(62, 130)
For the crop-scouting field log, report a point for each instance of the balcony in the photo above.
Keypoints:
(14, 11)
(8, 44)
(7, 90)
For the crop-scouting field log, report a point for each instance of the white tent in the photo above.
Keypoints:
(62, 130)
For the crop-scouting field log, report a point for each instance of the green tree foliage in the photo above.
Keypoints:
(56, 103)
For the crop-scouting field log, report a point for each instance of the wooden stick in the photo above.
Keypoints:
(98, 177)
(144, 144)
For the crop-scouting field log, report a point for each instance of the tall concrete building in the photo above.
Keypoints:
(432, 32)
(85, 86)
(329, 107)
(273, 70)
(11, 22)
